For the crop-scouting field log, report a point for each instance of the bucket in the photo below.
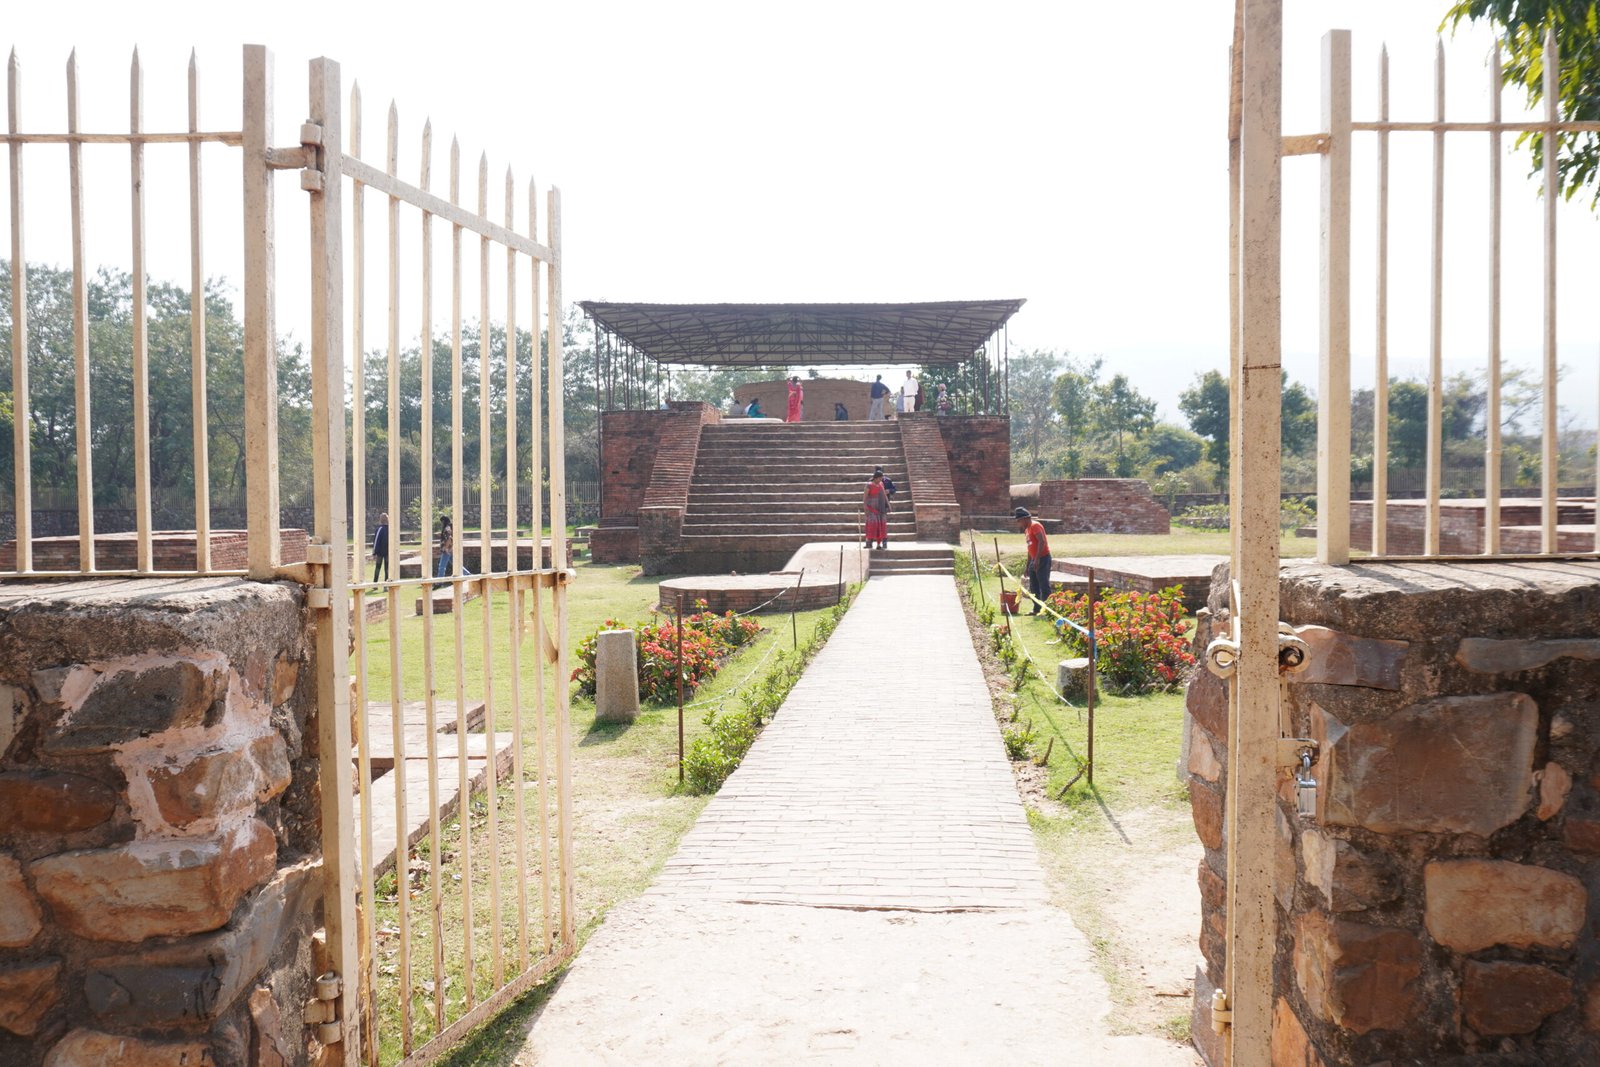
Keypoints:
(1008, 601)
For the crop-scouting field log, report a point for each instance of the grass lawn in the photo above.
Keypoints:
(628, 812)
(1182, 541)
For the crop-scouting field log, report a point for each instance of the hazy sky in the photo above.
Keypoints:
(862, 151)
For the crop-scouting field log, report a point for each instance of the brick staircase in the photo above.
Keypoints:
(914, 559)
(760, 490)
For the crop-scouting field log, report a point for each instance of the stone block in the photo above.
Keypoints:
(285, 676)
(27, 993)
(1349, 879)
(1206, 1041)
(616, 669)
(1554, 784)
(91, 1048)
(1581, 833)
(195, 981)
(1207, 700)
(136, 701)
(268, 1047)
(155, 888)
(1291, 1046)
(20, 917)
(1488, 656)
(271, 757)
(1206, 805)
(13, 707)
(1213, 888)
(217, 781)
(1471, 904)
(1424, 768)
(1203, 761)
(1502, 997)
(1072, 679)
(41, 802)
(1361, 977)
(1591, 1009)
(1338, 658)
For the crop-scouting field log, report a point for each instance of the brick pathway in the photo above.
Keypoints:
(880, 802)
(881, 783)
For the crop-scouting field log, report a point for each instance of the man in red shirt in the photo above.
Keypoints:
(1038, 570)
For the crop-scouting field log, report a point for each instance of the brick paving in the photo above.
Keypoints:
(881, 783)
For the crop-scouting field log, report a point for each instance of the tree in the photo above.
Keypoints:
(1121, 412)
(1205, 405)
(1169, 448)
(1073, 395)
(1577, 32)
(1298, 430)
(1033, 416)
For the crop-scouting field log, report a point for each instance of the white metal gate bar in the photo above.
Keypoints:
(392, 1029)
(1334, 394)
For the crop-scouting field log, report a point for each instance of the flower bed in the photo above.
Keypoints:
(708, 641)
(1141, 639)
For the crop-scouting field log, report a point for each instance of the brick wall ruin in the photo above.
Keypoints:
(159, 887)
(1443, 906)
(979, 447)
(1096, 505)
(1461, 526)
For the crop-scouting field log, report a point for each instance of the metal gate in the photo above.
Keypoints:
(453, 849)
(443, 745)
(1258, 650)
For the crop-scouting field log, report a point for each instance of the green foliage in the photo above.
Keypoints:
(1205, 405)
(1019, 738)
(1577, 31)
(1168, 449)
(1141, 641)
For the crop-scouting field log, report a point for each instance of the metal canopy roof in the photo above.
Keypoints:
(749, 335)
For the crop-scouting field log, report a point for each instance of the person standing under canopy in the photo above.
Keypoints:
(797, 400)
(908, 393)
(880, 392)
(876, 506)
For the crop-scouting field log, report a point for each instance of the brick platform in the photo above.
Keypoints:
(1095, 505)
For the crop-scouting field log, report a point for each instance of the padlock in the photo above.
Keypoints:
(1305, 788)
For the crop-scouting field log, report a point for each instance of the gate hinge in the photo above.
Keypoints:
(1221, 1014)
(322, 1011)
(309, 156)
(318, 598)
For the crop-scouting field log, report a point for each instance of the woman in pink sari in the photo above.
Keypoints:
(797, 401)
(876, 506)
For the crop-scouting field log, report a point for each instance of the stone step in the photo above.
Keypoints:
(879, 570)
(824, 530)
(748, 476)
(763, 448)
(780, 504)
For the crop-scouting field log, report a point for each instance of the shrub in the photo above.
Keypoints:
(1140, 638)
(1019, 739)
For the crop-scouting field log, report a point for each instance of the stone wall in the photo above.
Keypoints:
(1443, 906)
(1098, 505)
(159, 881)
(979, 447)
